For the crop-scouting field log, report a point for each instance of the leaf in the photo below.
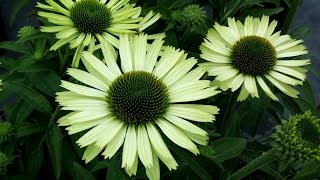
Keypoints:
(305, 106)
(230, 9)
(115, 171)
(174, 4)
(54, 141)
(301, 32)
(192, 162)
(258, 12)
(82, 173)
(258, 2)
(233, 127)
(34, 162)
(308, 93)
(309, 171)
(227, 148)
(46, 82)
(101, 165)
(21, 111)
(32, 97)
(27, 129)
(12, 46)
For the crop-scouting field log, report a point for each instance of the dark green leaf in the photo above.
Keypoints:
(174, 4)
(301, 32)
(192, 162)
(101, 165)
(34, 162)
(83, 173)
(115, 171)
(258, 12)
(258, 2)
(305, 106)
(227, 148)
(230, 9)
(12, 46)
(308, 93)
(26, 129)
(233, 127)
(21, 111)
(54, 141)
(46, 82)
(32, 97)
(309, 171)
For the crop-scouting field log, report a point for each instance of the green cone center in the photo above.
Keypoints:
(90, 16)
(253, 55)
(308, 133)
(138, 97)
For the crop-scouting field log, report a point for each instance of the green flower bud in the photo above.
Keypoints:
(6, 132)
(298, 138)
(191, 15)
(26, 31)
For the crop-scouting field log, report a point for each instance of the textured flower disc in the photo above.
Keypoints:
(138, 97)
(253, 55)
(90, 16)
(249, 55)
(308, 133)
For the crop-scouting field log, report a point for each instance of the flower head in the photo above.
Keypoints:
(26, 31)
(83, 22)
(128, 105)
(6, 131)
(298, 138)
(244, 55)
(4, 162)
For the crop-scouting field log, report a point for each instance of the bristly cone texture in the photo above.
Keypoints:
(298, 138)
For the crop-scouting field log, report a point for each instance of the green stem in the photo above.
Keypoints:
(254, 165)
(54, 115)
(64, 61)
(229, 110)
(292, 11)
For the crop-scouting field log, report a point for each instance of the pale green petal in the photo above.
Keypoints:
(91, 152)
(194, 112)
(185, 125)
(287, 45)
(67, 3)
(250, 85)
(51, 29)
(56, 18)
(293, 62)
(284, 78)
(233, 25)
(283, 87)
(97, 68)
(193, 75)
(151, 21)
(194, 95)
(125, 54)
(58, 7)
(130, 148)
(199, 139)
(226, 33)
(139, 52)
(83, 90)
(110, 132)
(272, 26)
(266, 89)
(83, 116)
(160, 147)
(78, 127)
(167, 61)
(243, 94)
(293, 51)
(144, 147)
(77, 41)
(217, 47)
(87, 78)
(76, 57)
(132, 170)
(62, 42)
(248, 26)
(177, 136)
(237, 82)
(118, 5)
(290, 71)
(152, 54)
(263, 26)
(114, 145)
(153, 172)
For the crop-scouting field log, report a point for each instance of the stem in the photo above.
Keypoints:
(63, 61)
(54, 115)
(290, 16)
(254, 165)
(229, 110)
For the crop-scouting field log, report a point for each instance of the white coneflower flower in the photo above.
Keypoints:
(249, 54)
(81, 22)
(127, 106)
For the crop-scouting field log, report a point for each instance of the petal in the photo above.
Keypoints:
(88, 79)
(153, 172)
(144, 147)
(130, 148)
(83, 90)
(250, 85)
(114, 145)
(194, 112)
(125, 54)
(266, 89)
(91, 152)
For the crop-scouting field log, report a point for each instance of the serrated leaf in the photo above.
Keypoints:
(82, 173)
(26, 129)
(32, 97)
(227, 148)
(192, 162)
(54, 141)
